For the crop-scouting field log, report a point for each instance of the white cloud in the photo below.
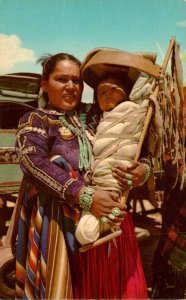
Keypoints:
(87, 94)
(12, 52)
(181, 23)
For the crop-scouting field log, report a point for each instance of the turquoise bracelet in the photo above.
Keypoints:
(86, 198)
(148, 170)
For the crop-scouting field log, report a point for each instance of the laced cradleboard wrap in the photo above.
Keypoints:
(116, 141)
(165, 129)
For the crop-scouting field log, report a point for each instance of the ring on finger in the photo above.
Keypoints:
(129, 182)
(104, 220)
(116, 211)
(128, 176)
(111, 216)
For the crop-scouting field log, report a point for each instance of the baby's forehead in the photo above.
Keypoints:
(110, 80)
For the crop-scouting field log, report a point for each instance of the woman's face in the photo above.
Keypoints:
(64, 86)
(110, 92)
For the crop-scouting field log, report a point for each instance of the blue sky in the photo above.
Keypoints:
(30, 28)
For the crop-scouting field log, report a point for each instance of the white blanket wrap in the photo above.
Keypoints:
(116, 141)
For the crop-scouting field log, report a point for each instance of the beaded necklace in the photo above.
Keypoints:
(78, 127)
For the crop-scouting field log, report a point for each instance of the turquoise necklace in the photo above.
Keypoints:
(78, 128)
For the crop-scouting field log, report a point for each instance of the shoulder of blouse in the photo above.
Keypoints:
(41, 115)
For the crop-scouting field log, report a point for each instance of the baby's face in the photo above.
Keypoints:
(110, 93)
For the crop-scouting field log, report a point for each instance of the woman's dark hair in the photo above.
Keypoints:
(49, 62)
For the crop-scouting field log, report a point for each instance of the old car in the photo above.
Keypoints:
(19, 94)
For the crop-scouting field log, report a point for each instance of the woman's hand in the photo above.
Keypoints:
(131, 176)
(103, 204)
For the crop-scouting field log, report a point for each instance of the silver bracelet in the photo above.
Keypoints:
(148, 170)
(145, 161)
(86, 198)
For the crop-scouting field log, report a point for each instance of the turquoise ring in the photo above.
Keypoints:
(104, 220)
(128, 176)
(129, 182)
(111, 216)
(116, 211)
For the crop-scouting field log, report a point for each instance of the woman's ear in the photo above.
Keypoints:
(44, 84)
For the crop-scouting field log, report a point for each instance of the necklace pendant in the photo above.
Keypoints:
(66, 133)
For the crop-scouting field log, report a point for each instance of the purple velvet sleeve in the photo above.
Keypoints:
(33, 144)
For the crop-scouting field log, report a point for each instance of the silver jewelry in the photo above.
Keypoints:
(104, 220)
(148, 170)
(145, 161)
(86, 199)
(111, 216)
(116, 211)
(128, 176)
(129, 182)
(78, 128)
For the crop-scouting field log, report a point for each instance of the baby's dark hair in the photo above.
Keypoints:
(125, 81)
(121, 78)
(49, 62)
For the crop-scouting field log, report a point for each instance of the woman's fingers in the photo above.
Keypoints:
(130, 176)
(112, 218)
(125, 180)
(106, 204)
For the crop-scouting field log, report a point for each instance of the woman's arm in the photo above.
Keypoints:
(33, 147)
